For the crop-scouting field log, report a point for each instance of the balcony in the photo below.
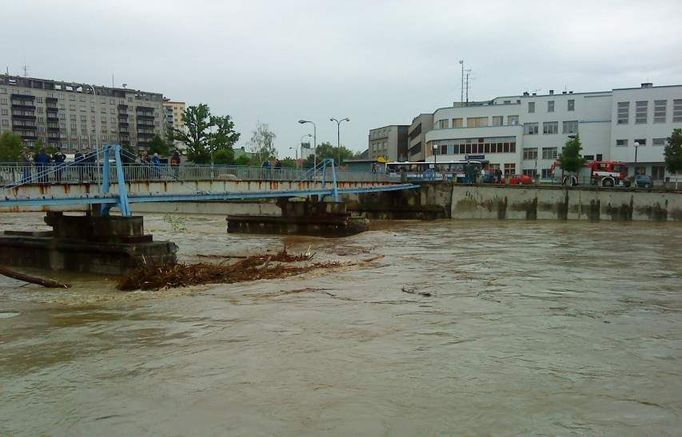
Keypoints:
(24, 124)
(53, 135)
(52, 127)
(22, 106)
(51, 107)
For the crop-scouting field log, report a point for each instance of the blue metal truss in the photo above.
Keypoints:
(123, 199)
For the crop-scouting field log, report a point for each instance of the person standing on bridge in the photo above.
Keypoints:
(58, 158)
(42, 161)
(156, 161)
(26, 161)
(175, 163)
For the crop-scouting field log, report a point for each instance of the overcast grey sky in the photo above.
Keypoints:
(376, 62)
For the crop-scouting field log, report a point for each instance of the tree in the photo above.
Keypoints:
(10, 147)
(159, 145)
(243, 160)
(205, 133)
(673, 153)
(570, 158)
(224, 156)
(326, 150)
(263, 143)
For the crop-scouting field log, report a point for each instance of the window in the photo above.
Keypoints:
(659, 142)
(509, 169)
(530, 128)
(641, 141)
(443, 149)
(498, 120)
(531, 107)
(571, 105)
(659, 111)
(5, 111)
(530, 172)
(549, 153)
(443, 124)
(39, 109)
(477, 121)
(550, 127)
(657, 172)
(530, 153)
(550, 105)
(589, 157)
(600, 157)
(5, 122)
(546, 173)
(677, 111)
(641, 108)
(622, 143)
(3, 100)
(623, 112)
(570, 127)
(457, 122)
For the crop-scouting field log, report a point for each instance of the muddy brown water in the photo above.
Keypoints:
(544, 328)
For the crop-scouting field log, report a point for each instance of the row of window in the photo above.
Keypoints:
(660, 110)
(639, 142)
(531, 153)
(570, 106)
(497, 120)
(478, 146)
(551, 127)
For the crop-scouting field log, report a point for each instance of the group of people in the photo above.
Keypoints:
(42, 161)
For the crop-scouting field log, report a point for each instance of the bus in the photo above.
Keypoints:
(461, 171)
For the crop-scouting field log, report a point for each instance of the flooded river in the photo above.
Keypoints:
(530, 328)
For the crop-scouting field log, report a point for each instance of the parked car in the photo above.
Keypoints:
(643, 181)
(521, 179)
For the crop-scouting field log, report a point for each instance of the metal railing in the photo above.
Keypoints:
(12, 174)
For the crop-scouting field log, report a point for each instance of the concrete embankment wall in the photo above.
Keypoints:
(559, 203)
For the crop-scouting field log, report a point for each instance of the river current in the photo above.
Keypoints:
(540, 328)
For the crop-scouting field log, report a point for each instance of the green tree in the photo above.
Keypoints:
(224, 156)
(288, 163)
(263, 143)
(10, 147)
(326, 150)
(673, 153)
(205, 133)
(159, 145)
(243, 160)
(570, 158)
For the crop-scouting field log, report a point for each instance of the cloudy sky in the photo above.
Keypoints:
(376, 62)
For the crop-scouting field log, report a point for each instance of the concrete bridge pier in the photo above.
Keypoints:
(301, 217)
(88, 243)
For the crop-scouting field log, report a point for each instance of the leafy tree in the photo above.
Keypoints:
(263, 143)
(326, 150)
(10, 147)
(243, 160)
(205, 133)
(159, 145)
(288, 163)
(673, 152)
(570, 158)
(224, 156)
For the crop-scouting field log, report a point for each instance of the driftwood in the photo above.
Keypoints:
(49, 283)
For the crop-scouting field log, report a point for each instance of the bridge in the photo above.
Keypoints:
(113, 184)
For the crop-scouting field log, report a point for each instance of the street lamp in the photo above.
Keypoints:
(636, 148)
(314, 140)
(338, 136)
(435, 160)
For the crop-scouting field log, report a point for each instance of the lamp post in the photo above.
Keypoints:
(314, 140)
(636, 148)
(338, 136)
(435, 161)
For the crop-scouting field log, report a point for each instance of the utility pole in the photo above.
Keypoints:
(25, 70)
(461, 97)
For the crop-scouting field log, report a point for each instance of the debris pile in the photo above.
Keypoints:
(251, 268)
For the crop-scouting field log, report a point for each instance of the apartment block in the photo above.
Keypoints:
(416, 134)
(174, 114)
(76, 116)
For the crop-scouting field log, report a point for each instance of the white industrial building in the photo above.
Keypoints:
(525, 133)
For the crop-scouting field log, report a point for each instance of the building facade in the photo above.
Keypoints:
(388, 142)
(78, 116)
(525, 133)
(174, 114)
(416, 135)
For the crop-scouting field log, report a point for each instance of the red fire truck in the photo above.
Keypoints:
(602, 173)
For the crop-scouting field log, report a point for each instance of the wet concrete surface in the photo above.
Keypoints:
(531, 328)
